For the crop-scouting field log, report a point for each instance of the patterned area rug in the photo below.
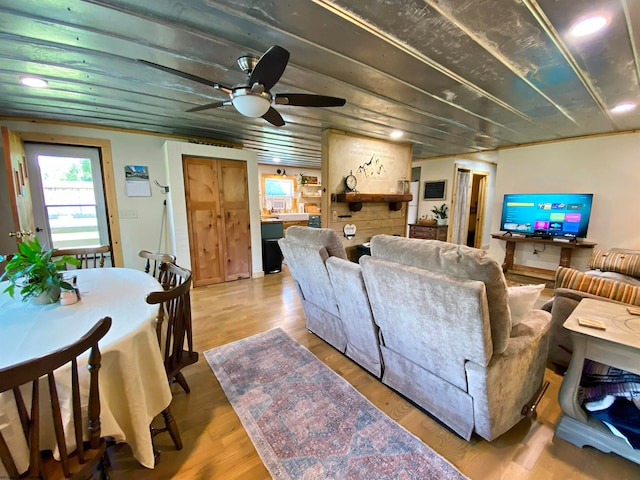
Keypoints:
(309, 423)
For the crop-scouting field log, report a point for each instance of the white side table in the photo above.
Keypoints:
(618, 346)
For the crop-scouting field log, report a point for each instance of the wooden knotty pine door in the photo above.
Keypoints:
(218, 219)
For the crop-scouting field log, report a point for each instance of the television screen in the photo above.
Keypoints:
(547, 215)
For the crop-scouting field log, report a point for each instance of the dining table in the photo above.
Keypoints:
(132, 380)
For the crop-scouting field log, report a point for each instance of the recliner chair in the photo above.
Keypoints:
(305, 251)
(446, 336)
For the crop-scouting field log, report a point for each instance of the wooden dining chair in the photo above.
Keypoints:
(175, 338)
(154, 261)
(77, 457)
(89, 257)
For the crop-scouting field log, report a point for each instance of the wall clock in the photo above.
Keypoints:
(350, 183)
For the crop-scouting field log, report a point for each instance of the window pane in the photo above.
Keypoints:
(69, 201)
(278, 187)
(73, 226)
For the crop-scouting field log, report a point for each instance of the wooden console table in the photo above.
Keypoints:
(428, 232)
(618, 346)
(566, 248)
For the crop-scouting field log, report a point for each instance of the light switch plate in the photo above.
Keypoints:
(130, 213)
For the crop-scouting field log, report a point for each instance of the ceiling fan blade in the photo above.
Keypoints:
(270, 67)
(208, 106)
(188, 76)
(273, 117)
(308, 100)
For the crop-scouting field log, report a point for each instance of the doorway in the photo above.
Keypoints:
(469, 200)
(68, 199)
(19, 192)
(476, 206)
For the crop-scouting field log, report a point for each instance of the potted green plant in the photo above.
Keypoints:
(36, 274)
(441, 213)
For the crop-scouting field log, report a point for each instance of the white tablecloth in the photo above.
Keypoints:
(133, 382)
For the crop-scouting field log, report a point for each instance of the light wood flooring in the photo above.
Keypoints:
(217, 447)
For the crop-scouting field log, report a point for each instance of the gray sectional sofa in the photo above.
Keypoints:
(430, 318)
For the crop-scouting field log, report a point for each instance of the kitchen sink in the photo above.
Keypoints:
(293, 216)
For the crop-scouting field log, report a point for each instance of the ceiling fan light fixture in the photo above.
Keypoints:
(623, 107)
(31, 81)
(589, 25)
(251, 105)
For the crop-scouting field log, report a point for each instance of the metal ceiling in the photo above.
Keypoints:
(456, 76)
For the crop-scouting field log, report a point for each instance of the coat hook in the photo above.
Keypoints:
(165, 188)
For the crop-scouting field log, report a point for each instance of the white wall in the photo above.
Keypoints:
(290, 171)
(141, 218)
(606, 166)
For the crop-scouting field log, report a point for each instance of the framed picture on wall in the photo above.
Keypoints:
(435, 190)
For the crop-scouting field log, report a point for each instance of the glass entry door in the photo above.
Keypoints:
(68, 195)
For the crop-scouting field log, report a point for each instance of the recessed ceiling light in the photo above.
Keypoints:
(276, 159)
(623, 107)
(396, 134)
(588, 26)
(34, 82)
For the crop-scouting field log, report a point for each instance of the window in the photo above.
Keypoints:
(68, 195)
(278, 193)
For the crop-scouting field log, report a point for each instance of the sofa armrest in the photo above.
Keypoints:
(536, 324)
(565, 301)
(547, 305)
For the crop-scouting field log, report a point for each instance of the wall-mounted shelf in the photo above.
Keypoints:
(355, 199)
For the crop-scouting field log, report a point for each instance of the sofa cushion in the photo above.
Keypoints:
(457, 260)
(323, 237)
(618, 277)
(521, 300)
(612, 261)
(602, 287)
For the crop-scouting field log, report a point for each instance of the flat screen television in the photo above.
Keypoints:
(547, 215)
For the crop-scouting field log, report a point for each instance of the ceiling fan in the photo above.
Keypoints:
(253, 97)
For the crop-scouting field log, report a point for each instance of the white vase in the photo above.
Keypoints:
(50, 296)
(441, 221)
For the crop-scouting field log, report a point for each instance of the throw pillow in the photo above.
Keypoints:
(621, 262)
(521, 300)
(602, 287)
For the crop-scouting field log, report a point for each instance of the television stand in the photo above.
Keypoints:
(541, 237)
(566, 249)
